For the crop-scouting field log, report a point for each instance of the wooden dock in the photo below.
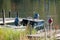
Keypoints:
(8, 20)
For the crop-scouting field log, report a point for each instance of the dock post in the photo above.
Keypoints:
(3, 14)
(17, 14)
(9, 14)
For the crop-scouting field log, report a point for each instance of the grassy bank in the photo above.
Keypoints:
(9, 34)
(14, 34)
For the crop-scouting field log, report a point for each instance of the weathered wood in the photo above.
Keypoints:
(9, 14)
(3, 14)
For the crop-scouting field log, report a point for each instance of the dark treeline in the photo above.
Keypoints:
(27, 8)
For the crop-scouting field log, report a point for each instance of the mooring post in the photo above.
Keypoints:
(3, 14)
(17, 14)
(9, 14)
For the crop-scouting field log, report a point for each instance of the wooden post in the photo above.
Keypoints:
(3, 14)
(17, 14)
(9, 14)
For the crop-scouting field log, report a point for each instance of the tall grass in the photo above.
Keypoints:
(29, 30)
(15, 34)
(9, 34)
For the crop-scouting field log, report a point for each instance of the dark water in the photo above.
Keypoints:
(11, 23)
